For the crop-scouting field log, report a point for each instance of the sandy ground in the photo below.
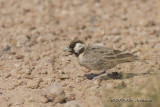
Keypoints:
(33, 64)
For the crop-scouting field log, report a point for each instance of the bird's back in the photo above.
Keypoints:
(101, 58)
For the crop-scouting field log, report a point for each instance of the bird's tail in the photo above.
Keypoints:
(126, 57)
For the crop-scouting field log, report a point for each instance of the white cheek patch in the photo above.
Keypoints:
(78, 47)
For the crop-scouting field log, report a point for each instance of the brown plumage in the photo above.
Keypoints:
(99, 57)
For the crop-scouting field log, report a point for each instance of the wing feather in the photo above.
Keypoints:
(100, 57)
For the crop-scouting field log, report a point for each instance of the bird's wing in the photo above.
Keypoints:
(105, 54)
(101, 57)
(100, 54)
(101, 50)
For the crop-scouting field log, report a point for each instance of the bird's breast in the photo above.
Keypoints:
(86, 62)
(81, 59)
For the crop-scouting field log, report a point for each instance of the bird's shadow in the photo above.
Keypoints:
(114, 75)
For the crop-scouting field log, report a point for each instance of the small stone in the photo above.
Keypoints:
(43, 72)
(116, 39)
(102, 33)
(99, 44)
(11, 87)
(25, 71)
(124, 17)
(18, 76)
(19, 103)
(78, 80)
(72, 104)
(71, 97)
(40, 39)
(48, 80)
(33, 84)
(13, 52)
(8, 75)
(70, 88)
(27, 76)
(121, 85)
(151, 71)
(9, 104)
(22, 82)
(43, 99)
(55, 93)
(13, 72)
(150, 23)
(136, 49)
(94, 101)
(10, 57)
(96, 81)
(6, 48)
(16, 85)
(21, 41)
(109, 86)
(64, 76)
(115, 31)
(19, 56)
(31, 99)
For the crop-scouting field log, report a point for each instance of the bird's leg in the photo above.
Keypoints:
(102, 75)
(106, 71)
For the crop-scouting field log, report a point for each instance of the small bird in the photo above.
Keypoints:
(98, 57)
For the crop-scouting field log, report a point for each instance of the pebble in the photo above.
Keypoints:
(116, 39)
(41, 39)
(78, 80)
(31, 99)
(72, 104)
(64, 76)
(124, 17)
(43, 99)
(94, 101)
(21, 41)
(48, 80)
(99, 44)
(109, 86)
(19, 56)
(150, 23)
(8, 75)
(11, 87)
(10, 57)
(14, 72)
(115, 31)
(33, 84)
(18, 76)
(22, 82)
(6, 48)
(70, 88)
(71, 97)
(25, 71)
(55, 93)
(96, 81)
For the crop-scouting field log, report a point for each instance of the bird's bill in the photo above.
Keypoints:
(68, 49)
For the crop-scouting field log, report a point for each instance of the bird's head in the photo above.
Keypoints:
(76, 47)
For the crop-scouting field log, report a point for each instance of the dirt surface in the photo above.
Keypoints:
(35, 71)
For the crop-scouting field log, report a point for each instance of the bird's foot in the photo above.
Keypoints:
(102, 75)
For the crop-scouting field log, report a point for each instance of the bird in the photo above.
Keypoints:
(98, 57)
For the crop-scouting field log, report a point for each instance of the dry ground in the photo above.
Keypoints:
(34, 33)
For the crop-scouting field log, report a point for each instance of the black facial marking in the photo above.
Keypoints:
(80, 51)
(73, 44)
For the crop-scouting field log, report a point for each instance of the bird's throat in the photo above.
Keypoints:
(80, 51)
